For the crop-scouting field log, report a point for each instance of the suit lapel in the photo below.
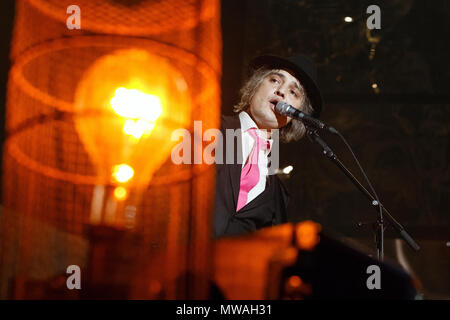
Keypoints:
(234, 168)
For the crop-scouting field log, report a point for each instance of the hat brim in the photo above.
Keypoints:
(275, 62)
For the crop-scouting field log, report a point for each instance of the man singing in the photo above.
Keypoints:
(247, 196)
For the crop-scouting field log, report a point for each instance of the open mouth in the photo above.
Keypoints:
(273, 103)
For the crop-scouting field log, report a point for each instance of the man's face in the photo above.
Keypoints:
(279, 85)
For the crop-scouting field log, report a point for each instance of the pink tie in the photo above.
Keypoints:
(250, 172)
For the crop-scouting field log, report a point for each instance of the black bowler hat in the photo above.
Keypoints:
(304, 70)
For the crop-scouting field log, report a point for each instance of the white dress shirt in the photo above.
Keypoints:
(247, 146)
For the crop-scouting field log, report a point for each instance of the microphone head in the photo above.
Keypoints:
(282, 108)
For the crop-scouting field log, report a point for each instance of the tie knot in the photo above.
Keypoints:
(260, 142)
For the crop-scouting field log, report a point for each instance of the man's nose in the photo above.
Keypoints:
(280, 92)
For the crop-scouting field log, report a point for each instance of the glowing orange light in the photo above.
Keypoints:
(295, 281)
(120, 193)
(296, 288)
(133, 103)
(122, 173)
(154, 288)
(138, 128)
(140, 109)
(308, 234)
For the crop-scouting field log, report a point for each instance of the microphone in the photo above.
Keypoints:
(289, 111)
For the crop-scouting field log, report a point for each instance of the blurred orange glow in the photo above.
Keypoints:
(141, 108)
(122, 173)
(308, 235)
(296, 288)
(120, 193)
(138, 128)
(132, 103)
(294, 281)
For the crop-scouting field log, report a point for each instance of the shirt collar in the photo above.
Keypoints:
(247, 123)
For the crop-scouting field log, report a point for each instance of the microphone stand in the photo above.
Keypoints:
(314, 136)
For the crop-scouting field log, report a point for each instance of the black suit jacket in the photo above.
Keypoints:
(267, 209)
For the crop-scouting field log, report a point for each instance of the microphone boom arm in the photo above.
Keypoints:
(312, 134)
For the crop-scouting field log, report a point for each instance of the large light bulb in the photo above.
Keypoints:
(126, 106)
